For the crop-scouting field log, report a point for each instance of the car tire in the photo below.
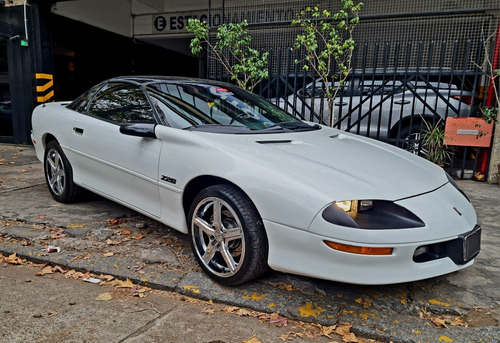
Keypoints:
(59, 174)
(411, 140)
(227, 235)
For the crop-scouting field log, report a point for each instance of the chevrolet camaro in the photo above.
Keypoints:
(254, 187)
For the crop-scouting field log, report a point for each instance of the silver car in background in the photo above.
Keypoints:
(391, 110)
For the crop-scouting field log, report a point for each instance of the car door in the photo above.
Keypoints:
(118, 166)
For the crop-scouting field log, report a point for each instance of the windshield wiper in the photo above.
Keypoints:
(219, 128)
(199, 125)
(294, 126)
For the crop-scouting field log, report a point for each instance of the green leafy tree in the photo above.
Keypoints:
(328, 42)
(232, 48)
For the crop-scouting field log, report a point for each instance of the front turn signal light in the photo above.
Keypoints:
(359, 250)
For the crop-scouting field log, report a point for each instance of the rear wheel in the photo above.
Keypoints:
(411, 140)
(59, 174)
(227, 235)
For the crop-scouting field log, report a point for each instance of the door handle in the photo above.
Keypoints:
(78, 130)
(402, 102)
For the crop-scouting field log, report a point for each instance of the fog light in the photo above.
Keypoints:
(359, 250)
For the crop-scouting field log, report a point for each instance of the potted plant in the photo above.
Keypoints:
(433, 143)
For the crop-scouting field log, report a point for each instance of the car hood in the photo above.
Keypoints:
(340, 165)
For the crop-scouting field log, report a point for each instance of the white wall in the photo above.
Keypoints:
(136, 18)
(111, 15)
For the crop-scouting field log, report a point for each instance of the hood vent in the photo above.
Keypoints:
(280, 141)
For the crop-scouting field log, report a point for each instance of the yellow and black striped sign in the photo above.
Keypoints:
(45, 91)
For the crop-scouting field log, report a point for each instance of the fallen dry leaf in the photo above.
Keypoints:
(114, 221)
(124, 284)
(284, 287)
(58, 235)
(290, 335)
(138, 236)
(139, 292)
(107, 278)
(58, 269)
(479, 176)
(208, 310)
(46, 270)
(350, 338)
(328, 330)
(13, 259)
(231, 309)
(278, 320)
(252, 339)
(238, 311)
(108, 254)
(439, 322)
(104, 297)
(73, 274)
(343, 329)
(110, 242)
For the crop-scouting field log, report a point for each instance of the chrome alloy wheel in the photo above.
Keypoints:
(413, 144)
(55, 172)
(218, 237)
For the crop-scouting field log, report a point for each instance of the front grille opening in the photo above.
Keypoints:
(431, 252)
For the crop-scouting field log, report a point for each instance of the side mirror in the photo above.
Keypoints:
(144, 130)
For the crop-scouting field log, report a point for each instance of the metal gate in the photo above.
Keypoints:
(395, 89)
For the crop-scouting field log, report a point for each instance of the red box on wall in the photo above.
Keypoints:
(473, 132)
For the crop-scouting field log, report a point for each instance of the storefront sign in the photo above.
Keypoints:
(176, 22)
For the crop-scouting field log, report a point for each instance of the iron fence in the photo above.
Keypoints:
(392, 94)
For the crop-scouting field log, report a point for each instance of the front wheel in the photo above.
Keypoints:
(227, 235)
(59, 174)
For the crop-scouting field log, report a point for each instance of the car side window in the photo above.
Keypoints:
(177, 108)
(380, 87)
(80, 104)
(318, 91)
(122, 103)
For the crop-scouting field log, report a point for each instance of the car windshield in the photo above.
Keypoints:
(219, 108)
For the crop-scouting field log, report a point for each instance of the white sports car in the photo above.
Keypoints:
(255, 187)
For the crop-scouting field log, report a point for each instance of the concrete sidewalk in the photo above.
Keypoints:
(102, 237)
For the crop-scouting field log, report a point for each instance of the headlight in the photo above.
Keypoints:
(371, 215)
(353, 207)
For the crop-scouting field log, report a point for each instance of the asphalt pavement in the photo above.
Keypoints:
(100, 237)
(55, 307)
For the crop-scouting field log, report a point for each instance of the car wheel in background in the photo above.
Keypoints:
(227, 235)
(59, 174)
(410, 139)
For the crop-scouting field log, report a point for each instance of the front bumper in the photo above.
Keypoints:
(305, 253)
(449, 241)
